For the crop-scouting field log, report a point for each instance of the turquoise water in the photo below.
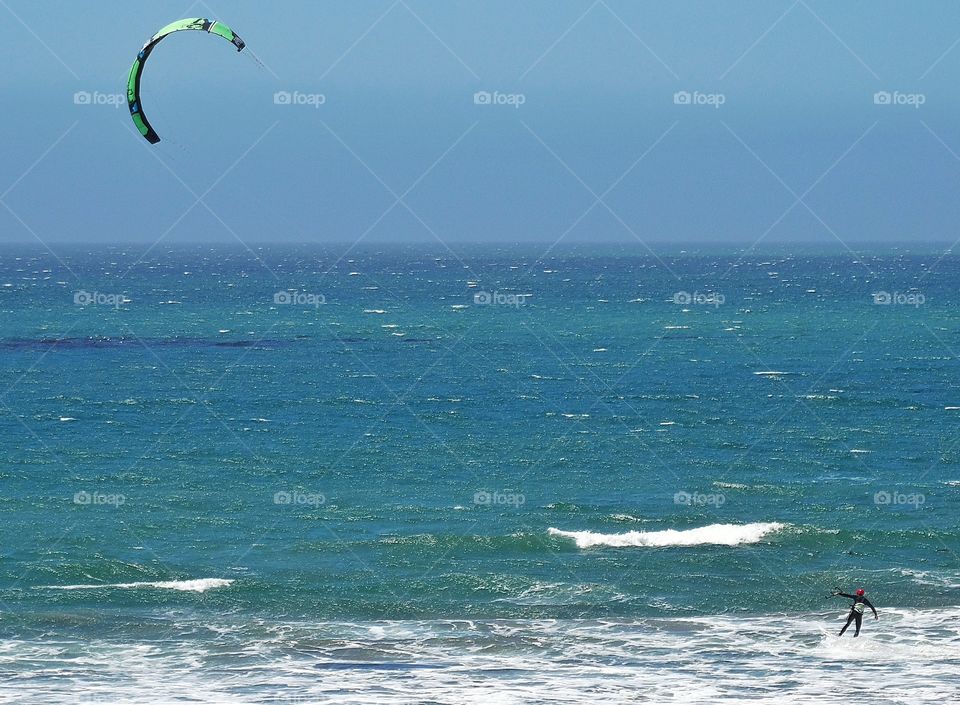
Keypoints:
(311, 475)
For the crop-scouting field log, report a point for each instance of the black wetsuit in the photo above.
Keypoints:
(856, 611)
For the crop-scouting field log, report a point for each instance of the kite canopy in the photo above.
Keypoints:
(136, 71)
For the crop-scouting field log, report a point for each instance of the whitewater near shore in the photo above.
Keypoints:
(911, 656)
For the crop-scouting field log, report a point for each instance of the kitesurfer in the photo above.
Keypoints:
(856, 609)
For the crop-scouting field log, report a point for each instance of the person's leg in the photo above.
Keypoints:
(859, 618)
(849, 619)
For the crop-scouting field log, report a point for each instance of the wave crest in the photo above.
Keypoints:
(716, 534)
(200, 585)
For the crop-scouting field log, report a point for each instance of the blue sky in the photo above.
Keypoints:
(782, 138)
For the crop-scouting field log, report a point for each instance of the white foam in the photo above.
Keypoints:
(909, 656)
(625, 517)
(199, 585)
(715, 534)
(923, 577)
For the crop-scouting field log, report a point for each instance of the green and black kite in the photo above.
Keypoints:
(133, 83)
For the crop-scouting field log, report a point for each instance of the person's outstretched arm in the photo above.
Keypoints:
(867, 603)
(843, 594)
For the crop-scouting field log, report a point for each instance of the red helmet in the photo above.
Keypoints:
(859, 592)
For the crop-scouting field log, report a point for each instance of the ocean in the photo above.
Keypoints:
(411, 474)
